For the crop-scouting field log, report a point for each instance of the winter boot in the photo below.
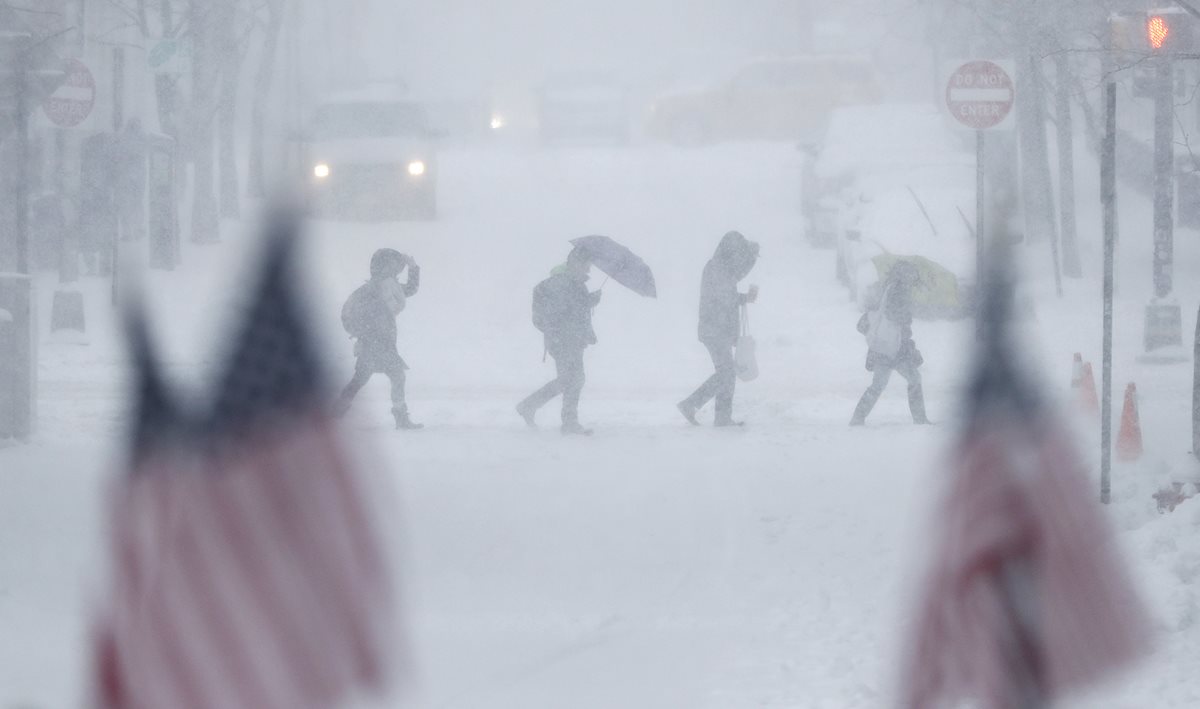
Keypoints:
(574, 429)
(527, 412)
(688, 411)
(404, 423)
(728, 423)
(916, 405)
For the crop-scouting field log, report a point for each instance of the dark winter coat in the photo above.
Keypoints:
(569, 305)
(377, 342)
(720, 301)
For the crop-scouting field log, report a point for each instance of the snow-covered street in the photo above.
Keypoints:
(654, 564)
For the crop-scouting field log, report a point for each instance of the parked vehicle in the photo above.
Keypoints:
(860, 151)
(372, 156)
(879, 200)
(770, 99)
(929, 227)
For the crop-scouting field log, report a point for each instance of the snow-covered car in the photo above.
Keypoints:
(931, 227)
(867, 148)
(787, 98)
(372, 156)
(896, 181)
(583, 108)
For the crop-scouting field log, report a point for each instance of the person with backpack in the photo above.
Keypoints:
(562, 311)
(721, 323)
(890, 345)
(369, 317)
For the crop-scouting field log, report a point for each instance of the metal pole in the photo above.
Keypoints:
(980, 234)
(1108, 198)
(1196, 390)
(1164, 173)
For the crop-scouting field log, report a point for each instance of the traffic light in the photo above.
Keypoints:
(1158, 31)
(1167, 31)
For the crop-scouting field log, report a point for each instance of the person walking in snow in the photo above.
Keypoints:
(720, 324)
(890, 345)
(369, 316)
(562, 311)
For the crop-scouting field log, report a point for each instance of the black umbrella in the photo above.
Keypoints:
(618, 263)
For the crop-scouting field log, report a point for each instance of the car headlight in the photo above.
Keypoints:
(498, 121)
(321, 170)
(416, 168)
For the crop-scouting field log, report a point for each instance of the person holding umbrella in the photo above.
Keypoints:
(562, 311)
(890, 345)
(720, 324)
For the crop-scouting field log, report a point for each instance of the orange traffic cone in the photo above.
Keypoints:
(1088, 400)
(1129, 439)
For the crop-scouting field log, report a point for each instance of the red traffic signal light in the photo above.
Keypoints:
(1158, 29)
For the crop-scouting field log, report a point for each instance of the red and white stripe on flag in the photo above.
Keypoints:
(258, 585)
(1027, 596)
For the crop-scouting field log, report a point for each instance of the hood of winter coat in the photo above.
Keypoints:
(386, 263)
(736, 254)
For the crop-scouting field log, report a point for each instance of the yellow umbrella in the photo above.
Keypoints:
(936, 294)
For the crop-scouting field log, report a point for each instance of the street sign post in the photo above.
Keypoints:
(72, 102)
(980, 95)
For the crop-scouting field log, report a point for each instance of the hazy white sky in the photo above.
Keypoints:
(476, 42)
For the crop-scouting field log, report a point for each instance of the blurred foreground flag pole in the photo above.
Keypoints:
(1027, 597)
(247, 572)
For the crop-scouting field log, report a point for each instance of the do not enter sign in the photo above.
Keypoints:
(980, 94)
(73, 100)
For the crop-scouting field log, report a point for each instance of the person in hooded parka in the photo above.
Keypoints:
(720, 324)
(369, 317)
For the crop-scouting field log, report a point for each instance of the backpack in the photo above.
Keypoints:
(356, 311)
(546, 310)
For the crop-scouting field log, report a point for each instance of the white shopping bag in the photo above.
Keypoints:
(746, 353)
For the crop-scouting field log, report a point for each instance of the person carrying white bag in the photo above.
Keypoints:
(890, 345)
(721, 328)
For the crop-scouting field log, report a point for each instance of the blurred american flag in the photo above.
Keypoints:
(247, 570)
(1027, 597)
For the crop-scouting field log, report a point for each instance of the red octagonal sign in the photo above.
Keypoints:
(73, 100)
(980, 94)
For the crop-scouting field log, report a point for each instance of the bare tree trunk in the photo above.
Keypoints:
(231, 207)
(206, 222)
(262, 89)
(1035, 155)
(1036, 184)
(1066, 167)
(230, 68)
